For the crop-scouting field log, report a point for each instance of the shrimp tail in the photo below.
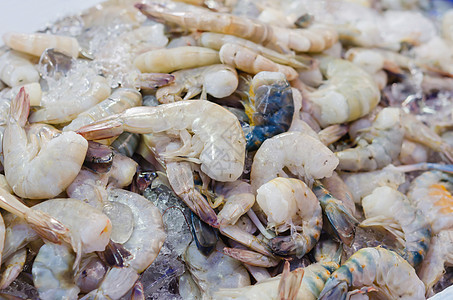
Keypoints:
(447, 151)
(20, 107)
(290, 283)
(103, 129)
(289, 245)
(154, 80)
(343, 222)
(334, 289)
(251, 257)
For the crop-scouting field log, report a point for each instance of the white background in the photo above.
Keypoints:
(31, 15)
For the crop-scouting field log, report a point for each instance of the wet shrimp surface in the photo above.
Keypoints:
(240, 149)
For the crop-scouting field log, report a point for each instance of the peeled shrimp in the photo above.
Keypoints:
(391, 210)
(40, 165)
(216, 80)
(16, 69)
(377, 146)
(216, 133)
(36, 43)
(301, 154)
(289, 203)
(169, 60)
(251, 62)
(379, 268)
(120, 100)
(348, 94)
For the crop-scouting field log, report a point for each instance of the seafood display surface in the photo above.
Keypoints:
(229, 149)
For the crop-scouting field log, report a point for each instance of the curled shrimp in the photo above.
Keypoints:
(289, 203)
(391, 210)
(36, 43)
(379, 268)
(16, 69)
(144, 245)
(313, 39)
(169, 60)
(216, 133)
(377, 146)
(239, 198)
(348, 94)
(301, 154)
(53, 274)
(216, 80)
(438, 256)
(40, 165)
(120, 100)
(431, 193)
(251, 62)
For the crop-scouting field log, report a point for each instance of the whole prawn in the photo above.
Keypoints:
(39, 165)
(379, 268)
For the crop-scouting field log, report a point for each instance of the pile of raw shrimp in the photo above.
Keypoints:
(305, 149)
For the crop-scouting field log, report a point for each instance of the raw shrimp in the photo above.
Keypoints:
(377, 146)
(301, 154)
(218, 81)
(36, 43)
(126, 143)
(80, 94)
(431, 193)
(313, 280)
(290, 204)
(270, 107)
(379, 268)
(218, 142)
(169, 60)
(90, 273)
(143, 245)
(447, 25)
(2, 237)
(40, 165)
(412, 153)
(416, 131)
(439, 255)
(348, 94)
(217, 40)
(391, 210)
(251, 62)
(52, 272)
(363, 183)
(251, 257)
(314, 39)
(215, 271)
(239, 198)
(120, 100)
(16, 69)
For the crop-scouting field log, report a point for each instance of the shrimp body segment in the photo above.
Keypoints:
(379, 268)
(218, 140)
(40, 165)
(303, 155)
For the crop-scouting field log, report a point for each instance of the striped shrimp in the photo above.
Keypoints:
(289, 203)
(391, 210)
(313, 39)
(379, 268)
